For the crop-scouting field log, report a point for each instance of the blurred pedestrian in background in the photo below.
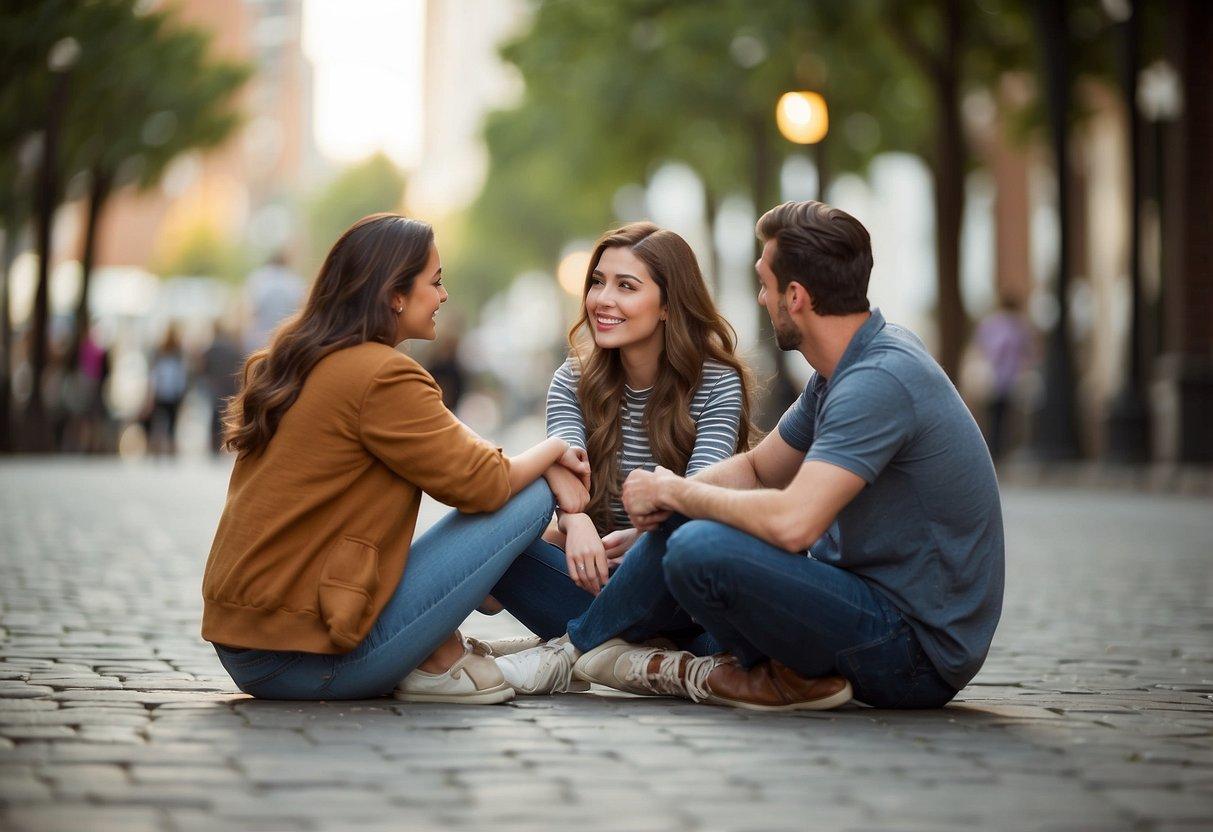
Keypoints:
(84, 397)
(217, 370)
(274, 293)
(168, 379)
(1004, 340)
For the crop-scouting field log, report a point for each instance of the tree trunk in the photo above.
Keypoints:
(1056, 434)
(38, 435)
(99, 191)
(12, 228)
(951, 159)
(1188, 366)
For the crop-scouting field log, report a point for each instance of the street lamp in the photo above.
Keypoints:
(803, 118)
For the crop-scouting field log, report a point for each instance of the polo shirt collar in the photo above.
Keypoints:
(859, 342)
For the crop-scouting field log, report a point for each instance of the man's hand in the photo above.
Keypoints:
(585, 554)
(570, 491)
(646, 496)
(617, 544)
(578, 462)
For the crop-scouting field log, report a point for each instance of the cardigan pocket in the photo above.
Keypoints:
(348, 581)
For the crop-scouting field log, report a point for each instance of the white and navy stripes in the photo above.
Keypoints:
(715, 409)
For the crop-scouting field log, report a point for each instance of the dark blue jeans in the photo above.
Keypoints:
(538, 591)
(759, 601)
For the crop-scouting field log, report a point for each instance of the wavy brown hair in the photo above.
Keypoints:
(694, 332)
(349, 305)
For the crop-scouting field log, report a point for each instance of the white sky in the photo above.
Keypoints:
(368, 59)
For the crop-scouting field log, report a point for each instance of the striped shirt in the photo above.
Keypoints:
(715, 408)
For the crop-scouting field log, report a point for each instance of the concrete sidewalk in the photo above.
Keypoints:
(1095, 710)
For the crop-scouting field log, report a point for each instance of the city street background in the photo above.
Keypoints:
(1037, 180)
(1094, 711)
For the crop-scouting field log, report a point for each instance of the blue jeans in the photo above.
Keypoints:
(538, 591)
(450, 570)
(759, 601)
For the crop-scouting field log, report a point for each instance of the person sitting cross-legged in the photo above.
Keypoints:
(856, 551)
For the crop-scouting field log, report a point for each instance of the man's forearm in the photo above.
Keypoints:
(736, 472)
(756, 511)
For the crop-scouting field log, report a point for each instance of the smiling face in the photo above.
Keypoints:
(623, 304)
(787, 336)
(420, 305)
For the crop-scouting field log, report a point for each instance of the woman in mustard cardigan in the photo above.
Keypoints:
(314, 588)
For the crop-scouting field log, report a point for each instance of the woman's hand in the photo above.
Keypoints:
(585, 554)
(617, 544)
(570, 491)
(576, 460)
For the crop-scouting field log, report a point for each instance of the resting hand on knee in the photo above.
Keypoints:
(587, 560)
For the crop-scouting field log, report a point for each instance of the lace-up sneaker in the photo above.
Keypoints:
(610, 664)
(541, 670)
(472, 680)
(509, 646)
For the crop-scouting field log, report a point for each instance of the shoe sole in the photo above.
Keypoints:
(825, 704)
(493, 696)
(575, 686)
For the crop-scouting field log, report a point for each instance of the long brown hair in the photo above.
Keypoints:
(349, 305)
(694, 333)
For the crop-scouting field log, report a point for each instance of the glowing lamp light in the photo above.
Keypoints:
(802, 117)
(570, 274)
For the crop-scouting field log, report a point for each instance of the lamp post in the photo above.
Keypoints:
(803, 118)
(1129, 417)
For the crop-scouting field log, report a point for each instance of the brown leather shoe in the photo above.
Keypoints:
(773, 686)
(721, 680)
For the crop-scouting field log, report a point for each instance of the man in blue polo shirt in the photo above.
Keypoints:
(878, 471)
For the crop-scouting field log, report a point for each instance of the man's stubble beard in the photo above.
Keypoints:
(787, 336)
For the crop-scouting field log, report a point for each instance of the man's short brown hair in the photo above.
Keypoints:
(825, 250)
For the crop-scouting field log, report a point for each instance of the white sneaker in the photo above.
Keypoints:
(473, 680)
(611, 664)
(509, 646)
(541, 670)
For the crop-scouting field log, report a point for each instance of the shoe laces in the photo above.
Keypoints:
(475, 645)
(552, 656)
(667, 679)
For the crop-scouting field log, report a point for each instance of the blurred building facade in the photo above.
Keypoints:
(238, 191)
(464, 78)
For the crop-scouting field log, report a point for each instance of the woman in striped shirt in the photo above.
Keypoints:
(657, 382)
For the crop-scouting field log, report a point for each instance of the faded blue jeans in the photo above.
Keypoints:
(759, 601)
(450, 570)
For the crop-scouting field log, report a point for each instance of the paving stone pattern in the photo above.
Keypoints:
(1094, 711)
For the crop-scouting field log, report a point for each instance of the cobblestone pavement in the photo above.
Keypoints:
(1095, 710)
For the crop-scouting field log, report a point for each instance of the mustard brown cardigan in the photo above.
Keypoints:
(316, 530)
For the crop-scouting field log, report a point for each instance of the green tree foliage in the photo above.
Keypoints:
(370, 186)
(103, 88)
(614, 89)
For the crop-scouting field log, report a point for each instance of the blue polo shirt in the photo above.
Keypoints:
(926, 531)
